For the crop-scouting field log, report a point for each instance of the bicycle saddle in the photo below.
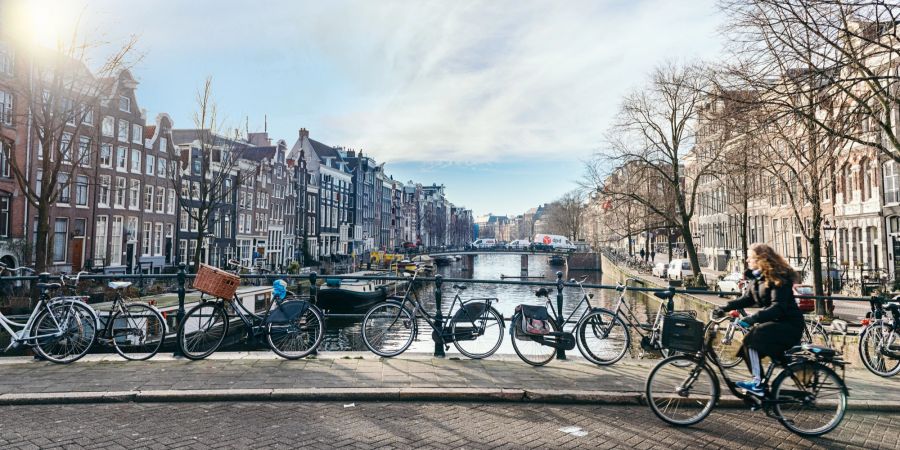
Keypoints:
(665, 295)
(459, 286)
(119, 284)
(48, 286)
(815, 349)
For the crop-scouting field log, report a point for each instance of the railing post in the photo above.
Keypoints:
(438, 318)
(560, 353)
(670, 305)
(312, 287)
(179, 317)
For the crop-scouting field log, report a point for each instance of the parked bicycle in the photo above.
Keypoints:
(879, 339)
(292, 327)
(605, 334)
(59, 329)
(134, 329)
(475, 328)
(807, 397)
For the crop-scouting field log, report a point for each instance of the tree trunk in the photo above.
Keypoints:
(42, 246)
(700, 281)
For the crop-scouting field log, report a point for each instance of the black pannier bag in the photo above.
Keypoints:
(682, 333)
(535, 319)
(470, 312)
(287, 311)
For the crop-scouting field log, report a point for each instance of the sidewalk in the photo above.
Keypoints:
(258, 376)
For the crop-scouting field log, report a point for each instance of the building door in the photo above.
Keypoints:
(76, 248)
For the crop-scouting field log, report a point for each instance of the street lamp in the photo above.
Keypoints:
(820, 303)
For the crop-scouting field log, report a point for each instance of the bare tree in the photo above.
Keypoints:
(209, 171)
(567, 214)
(651, 143)
(58, 96)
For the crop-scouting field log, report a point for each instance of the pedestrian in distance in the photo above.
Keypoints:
(643, 255)
(652, 255)
(779, 324)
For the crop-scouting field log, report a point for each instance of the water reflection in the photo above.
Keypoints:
(345, 335)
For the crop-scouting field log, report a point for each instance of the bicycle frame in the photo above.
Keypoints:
(419, 311)
(23, 335)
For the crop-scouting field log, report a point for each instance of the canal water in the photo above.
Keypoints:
(345, 335)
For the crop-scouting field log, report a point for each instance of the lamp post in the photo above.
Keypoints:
(820, 303)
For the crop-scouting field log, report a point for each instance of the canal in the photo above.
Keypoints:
(344, 335)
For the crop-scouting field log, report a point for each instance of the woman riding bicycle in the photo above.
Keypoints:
(778, 325)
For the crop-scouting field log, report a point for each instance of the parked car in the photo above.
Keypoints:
(518, 244)
(660, 269)
(806, 305)
(732, 282)
(484, 243)
(679, 269)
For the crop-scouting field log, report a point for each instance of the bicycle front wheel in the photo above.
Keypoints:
(728, 346)
(815, 334)
(388, 329)
(531, 349)
(810, 399)
(874, 345)
(299, 337)
(478, 337)
(138, 331)
(602, 337)
(203, 329)
(682, 390)
(65, 332)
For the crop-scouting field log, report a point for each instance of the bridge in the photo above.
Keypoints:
(576, 261)
(502, 251)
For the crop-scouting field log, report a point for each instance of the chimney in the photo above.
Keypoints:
(304, 133)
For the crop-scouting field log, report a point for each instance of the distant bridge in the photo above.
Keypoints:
(487, 251)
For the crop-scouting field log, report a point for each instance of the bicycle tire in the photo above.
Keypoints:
(805, 374)
(529, 343)
(216, 327)
(296, 327)
(79, 335)
(587, 328)
(870, 344)
(154, 328)
(661, 394)
(814, 333)
(728, 355)
(399, 321)
(495, 320)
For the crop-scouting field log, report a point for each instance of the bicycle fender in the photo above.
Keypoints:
(844, 387)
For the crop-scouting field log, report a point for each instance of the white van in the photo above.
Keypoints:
(519, 244)
(484, 243)
(679, 269)
(554, 240)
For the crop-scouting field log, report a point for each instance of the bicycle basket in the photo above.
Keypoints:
(682, 333)
(216, 282)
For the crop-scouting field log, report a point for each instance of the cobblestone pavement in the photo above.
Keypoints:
(408, 425)
(263, 370)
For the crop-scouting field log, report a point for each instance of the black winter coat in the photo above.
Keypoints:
(777, 303)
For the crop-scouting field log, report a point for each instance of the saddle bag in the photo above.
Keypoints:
(535, 320)
(469, 312)
(287, 311)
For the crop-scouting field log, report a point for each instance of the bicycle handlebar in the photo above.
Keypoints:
(4, 267)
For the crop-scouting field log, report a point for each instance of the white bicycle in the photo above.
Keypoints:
(60, 329)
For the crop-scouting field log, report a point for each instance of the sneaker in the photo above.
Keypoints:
(751, 387)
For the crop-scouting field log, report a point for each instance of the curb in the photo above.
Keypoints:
(486, 395)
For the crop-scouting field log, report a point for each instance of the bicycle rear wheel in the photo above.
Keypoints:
(529, 350)
(137, 331)
(681, 390)
(602, 337)
(810, 399)
(388, 329)
(485, 341)
(299, 337)
(874, 343)
(203, 329)
(69, 329)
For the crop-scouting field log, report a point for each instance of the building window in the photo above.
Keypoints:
(115, 246)
(891, 183)
(157, 239)
(4, 159)
(161, 167)
(163, 144)
(84, 151)
(124, 104)
(88, 118)
(137, 134)
(108, 126)
(122, 159)
(66, 147)
(170, 207)
(100, 241)
(6, 108)
(150, 164)
(134, 195)
(81, 190)
(148, 198)
(145, 249)
(226, 226)
(183, 222)
(105, 155)
(60, 239)
(135, 161)
(65, 192)
(160, 198)
(103, 195)
(6, 59)
(4, 215)
(123, 130)
(120, 192)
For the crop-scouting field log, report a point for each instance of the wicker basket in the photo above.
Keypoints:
(216, 282)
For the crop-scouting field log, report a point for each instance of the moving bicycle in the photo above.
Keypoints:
(292, 327)
(59, 329)
(475, 328)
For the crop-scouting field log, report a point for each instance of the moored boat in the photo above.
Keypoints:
(351, 296)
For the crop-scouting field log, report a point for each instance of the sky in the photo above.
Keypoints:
(499, 101)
